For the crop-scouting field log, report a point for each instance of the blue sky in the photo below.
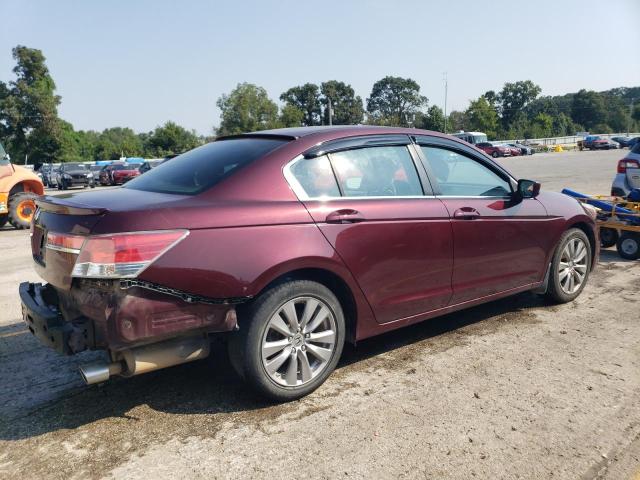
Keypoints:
(139, 63)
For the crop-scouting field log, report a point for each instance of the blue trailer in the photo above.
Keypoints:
(618, 221)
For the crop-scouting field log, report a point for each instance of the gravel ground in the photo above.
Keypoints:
(517, 388)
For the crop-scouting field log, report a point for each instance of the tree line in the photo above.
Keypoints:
(30, 126)
(31, 129)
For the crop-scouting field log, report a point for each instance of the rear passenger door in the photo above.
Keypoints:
(367, 196)
(498, 241)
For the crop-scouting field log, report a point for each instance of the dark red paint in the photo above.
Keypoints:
(403, 261)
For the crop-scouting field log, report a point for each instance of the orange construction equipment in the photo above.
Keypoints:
(19, 189)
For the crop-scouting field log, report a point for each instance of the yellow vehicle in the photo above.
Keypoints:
(19, 189)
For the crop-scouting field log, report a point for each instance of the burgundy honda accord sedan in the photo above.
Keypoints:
(289, 243)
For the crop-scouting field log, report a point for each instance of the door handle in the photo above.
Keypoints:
(466, 213)
(345, 215)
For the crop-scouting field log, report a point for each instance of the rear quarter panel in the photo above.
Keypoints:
(241, 262)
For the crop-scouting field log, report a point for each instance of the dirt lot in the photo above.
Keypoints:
(517, 388)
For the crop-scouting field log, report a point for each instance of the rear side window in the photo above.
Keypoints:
(376, 172)
(203, 167)
(636, 148)
(316, 177)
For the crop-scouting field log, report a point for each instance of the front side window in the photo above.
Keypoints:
(459, 175)
(376, 172)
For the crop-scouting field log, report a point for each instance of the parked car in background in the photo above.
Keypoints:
(287, 243)
(494, 150)
(49, 171)
(44, 171)
(628, 173)
(118, 173)
(633, 142)
(515, 151)
(148, 165)
(594, 142)
(95, 170)
(524, 149)
(621, 141)
(74, 175)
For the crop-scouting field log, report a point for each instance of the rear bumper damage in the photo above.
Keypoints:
(141, 328)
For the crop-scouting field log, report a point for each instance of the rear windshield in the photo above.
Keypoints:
(202, 168)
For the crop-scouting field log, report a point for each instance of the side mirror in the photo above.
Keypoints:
(528, 188)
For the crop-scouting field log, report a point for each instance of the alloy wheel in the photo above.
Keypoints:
(299, 341)
(572, 269)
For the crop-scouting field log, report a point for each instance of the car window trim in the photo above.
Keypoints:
(423, 140)
(298, 189)
(354, 143)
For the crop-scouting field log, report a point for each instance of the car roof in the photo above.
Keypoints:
(328, 133)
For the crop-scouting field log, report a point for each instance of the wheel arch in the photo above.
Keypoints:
(591, 235)
(27, 185)
(333, 282)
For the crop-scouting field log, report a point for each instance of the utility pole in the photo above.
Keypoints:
(630, 116)
(446, 87)
(330, 111)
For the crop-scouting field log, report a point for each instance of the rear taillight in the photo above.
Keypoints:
(64, 243)
(123, 255)
(626, 163)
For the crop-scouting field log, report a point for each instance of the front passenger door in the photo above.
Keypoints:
(498, 241)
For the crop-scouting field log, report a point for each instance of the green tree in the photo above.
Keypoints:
(520, 127)
(395, 101)
(116, 142)
(305, 98)
(514, 97)
(29, 108)
(432, 120)
(247, 108)
(588, 109)
(617, 114)
(636, 112)
(480, 116)
(347, 107)
(291, 116)
(456, 121)
(562, 125)
(170, 139)
(540, 127)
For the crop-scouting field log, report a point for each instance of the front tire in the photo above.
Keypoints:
(495, 155)
(21, 209)
(4, 218)
(290, 340)
(628, 246)
(570, 266)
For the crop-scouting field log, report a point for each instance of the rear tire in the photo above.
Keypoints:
(570, 266)
(282, 359)
(628, 245)
(21, 209)
(608, 237)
